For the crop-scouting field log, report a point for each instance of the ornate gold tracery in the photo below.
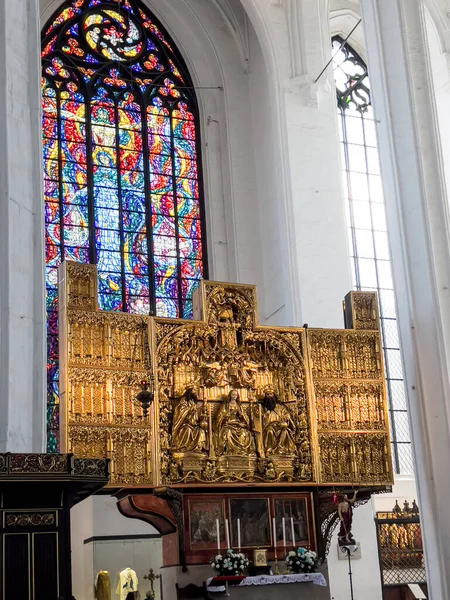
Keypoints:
(235, 402)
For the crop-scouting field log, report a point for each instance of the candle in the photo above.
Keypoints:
(218, 535)
(293, 532)
(284, 532)
(227, 533)
(210, 442)
(239, 534)
(274, 534)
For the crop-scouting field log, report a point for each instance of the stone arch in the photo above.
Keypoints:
(342, 21)
(437, 11)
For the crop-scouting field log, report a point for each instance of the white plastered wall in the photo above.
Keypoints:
(268, 167)
(103, 539)
(307, 196)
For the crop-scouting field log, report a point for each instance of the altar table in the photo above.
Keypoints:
(236, 591)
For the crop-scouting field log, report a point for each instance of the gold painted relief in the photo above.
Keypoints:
(235, 402)
(234, 399)
(102, 363)
(361, 311)
(351, 412)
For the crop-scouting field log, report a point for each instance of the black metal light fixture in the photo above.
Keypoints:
(146, 396)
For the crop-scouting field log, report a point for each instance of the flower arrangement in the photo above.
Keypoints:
(302, 561)
(230, 564)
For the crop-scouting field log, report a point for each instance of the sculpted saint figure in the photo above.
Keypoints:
(189, 430)
(228, 328)
(278, 426)
(234, 435)
(345, 512)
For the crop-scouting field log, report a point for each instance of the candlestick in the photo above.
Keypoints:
(275, 570)
(218, 535)
(212, 453)
(293, 532)
(239, 534)
(284, 532)
(227, 533)
(261, 430)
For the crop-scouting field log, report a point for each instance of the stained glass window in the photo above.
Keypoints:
(367, 235)
(121, 164)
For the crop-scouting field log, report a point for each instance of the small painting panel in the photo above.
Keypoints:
(254, 518)
(295, 514)
(260, 557)
(203, 515)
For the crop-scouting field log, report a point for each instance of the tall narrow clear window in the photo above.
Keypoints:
(367, 237)
(121, 164)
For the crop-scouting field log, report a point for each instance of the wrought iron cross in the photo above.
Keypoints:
(151, 577)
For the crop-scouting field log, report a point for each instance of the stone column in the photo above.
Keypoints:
(22, 323)
(314, 167)
(417, 213)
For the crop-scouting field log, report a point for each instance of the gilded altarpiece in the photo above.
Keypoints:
(352, 428)
(102, 359)
(235, 402)
(253, 389)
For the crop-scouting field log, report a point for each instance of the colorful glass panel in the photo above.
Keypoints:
(121, 183)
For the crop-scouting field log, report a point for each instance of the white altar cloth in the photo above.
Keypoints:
(316, 578)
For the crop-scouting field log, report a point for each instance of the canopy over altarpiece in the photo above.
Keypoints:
(235, 402)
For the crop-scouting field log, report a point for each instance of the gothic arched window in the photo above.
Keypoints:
(367, 234)
(121, 164)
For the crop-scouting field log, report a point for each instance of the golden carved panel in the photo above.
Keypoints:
(106, 339)
(345, 354)
(350, 401)
(128, 448)
(354, 458)
(87, 441)
(235, 402)
(81, 282)
(102, 363)
(250, 394)
(354, 406)
(361, 310)
(97, 396)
